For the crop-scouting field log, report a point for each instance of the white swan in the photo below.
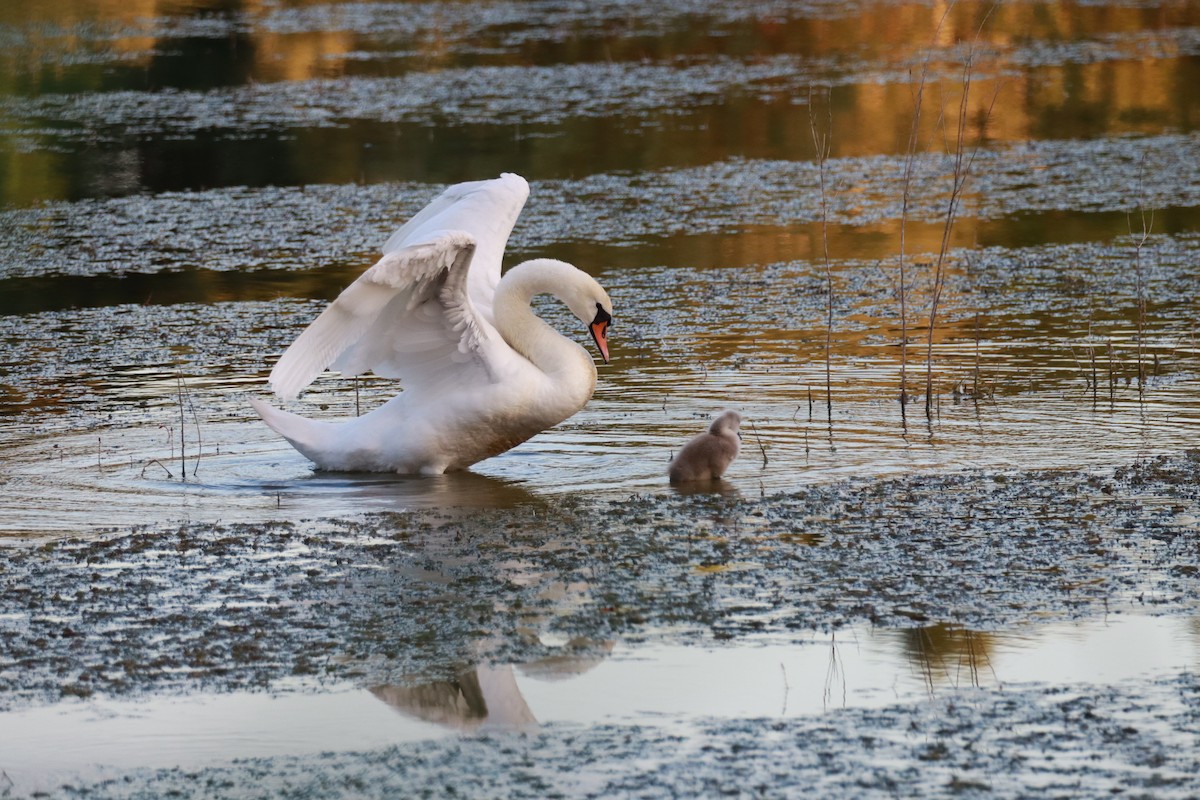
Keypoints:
(480, 372)
(706, 456)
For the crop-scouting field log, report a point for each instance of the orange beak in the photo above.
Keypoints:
(599, 329)
(600, 337)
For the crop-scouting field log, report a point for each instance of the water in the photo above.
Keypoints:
(185, 183)
(675, 686)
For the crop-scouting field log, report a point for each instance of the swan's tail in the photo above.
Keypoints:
(309, 436)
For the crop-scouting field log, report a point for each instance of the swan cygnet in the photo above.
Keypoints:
(707, 456)
(480, 372)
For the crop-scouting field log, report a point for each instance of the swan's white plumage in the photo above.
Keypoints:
(431, 313)
(372, 324)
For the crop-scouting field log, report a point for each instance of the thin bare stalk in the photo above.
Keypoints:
(1138, 245)
(821, 145)
(199, 435)
(182, 421)
(962, 170)
(1095, 387)
(1112, 379)
(975, 386)
(834, 672)
(156, 461)
(758, 440)
(914, 135)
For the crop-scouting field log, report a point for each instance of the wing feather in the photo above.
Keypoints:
(351, 334)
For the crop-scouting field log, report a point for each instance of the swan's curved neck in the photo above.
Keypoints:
(548, 350)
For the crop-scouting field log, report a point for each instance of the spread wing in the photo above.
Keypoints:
(409, 316)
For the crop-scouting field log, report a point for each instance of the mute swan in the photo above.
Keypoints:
(480, 372)
(707, 456)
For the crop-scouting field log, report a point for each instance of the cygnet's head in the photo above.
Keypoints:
(727, 422)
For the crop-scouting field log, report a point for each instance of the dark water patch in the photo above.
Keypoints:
(509, 95)
(637, 92)
(450, 128)
(304, 227)
(27, 296)
(346, 36)
(217, 97)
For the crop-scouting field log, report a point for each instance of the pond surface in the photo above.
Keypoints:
(185, 183)
(673, 686)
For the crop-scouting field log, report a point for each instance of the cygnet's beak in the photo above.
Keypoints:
(599, 329)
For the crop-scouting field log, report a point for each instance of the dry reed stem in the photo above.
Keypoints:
(821, 145)
(1095, 387)
(182, 420)
(156, 461)
(914, 135)
(833, 672)
(199, 435)
(1139, 244)
(758, 439)
(1112, 381)
(975, 384)
(786, 690)
(962, 170)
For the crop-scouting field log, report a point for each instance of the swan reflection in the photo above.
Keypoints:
(488, 695)
(381, 492)
(478, 696)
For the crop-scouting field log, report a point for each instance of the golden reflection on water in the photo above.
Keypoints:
(943, 655)
(1052, 96)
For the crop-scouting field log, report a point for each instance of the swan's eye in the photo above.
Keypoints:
(602, 316)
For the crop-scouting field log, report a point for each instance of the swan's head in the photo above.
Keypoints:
(727, 422)
(579, 291)
(587, 300)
